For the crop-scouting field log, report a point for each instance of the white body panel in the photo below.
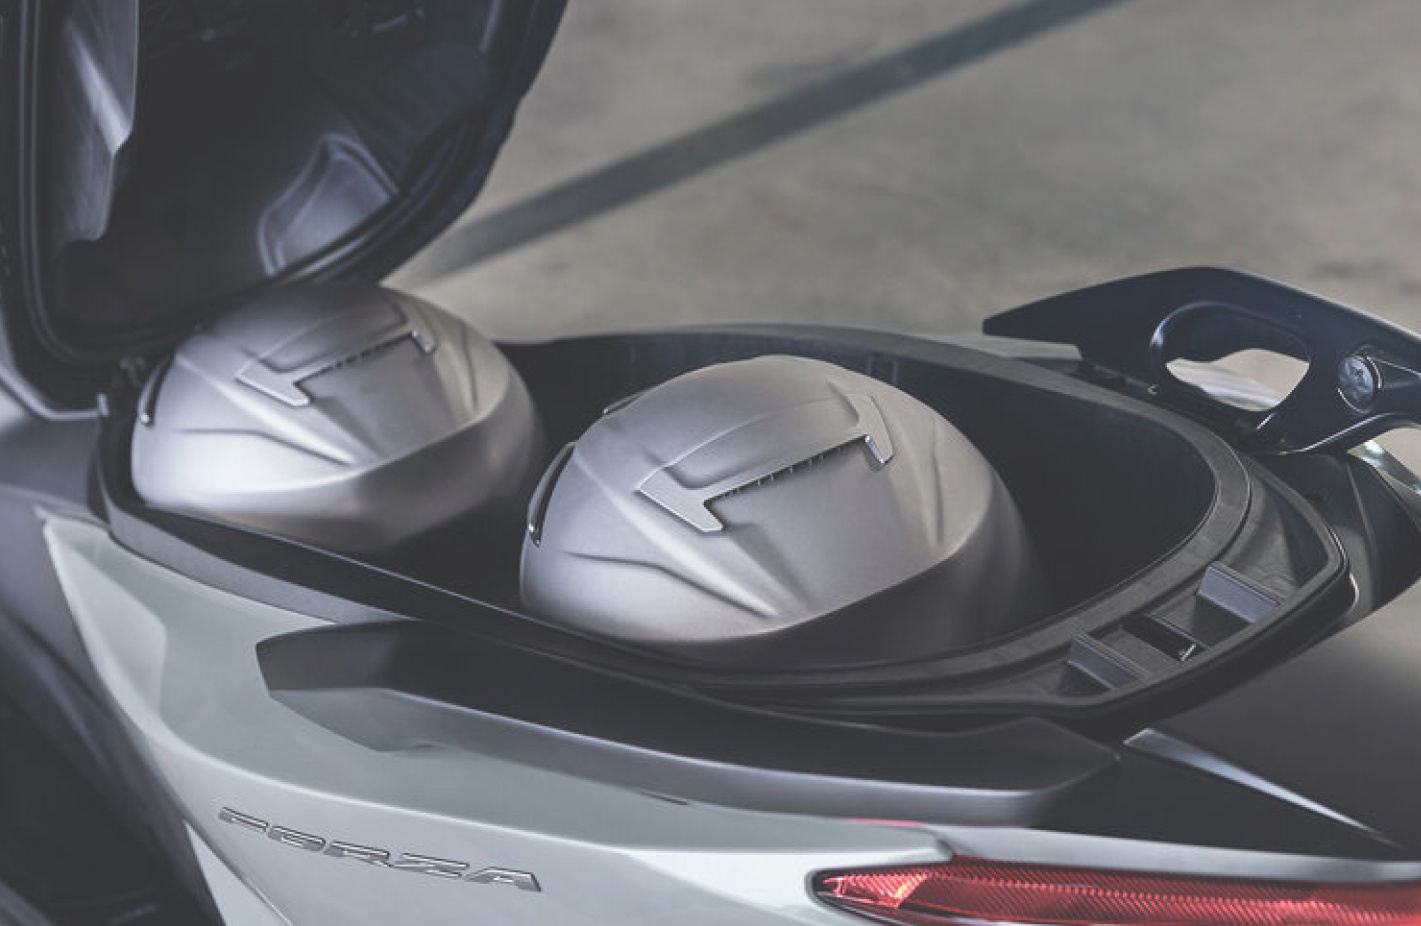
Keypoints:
(178, 659)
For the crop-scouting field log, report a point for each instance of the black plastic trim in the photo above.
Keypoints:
(409, 684)
(1363, 376)
(1337, 723)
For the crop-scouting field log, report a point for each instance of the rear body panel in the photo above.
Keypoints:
(323, 830)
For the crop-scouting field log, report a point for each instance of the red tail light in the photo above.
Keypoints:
(969, 890)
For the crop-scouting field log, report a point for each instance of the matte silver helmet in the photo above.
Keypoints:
(344, 415)
(750, 497)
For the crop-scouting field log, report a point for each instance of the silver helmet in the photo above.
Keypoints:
(750, 497)
(344, 415)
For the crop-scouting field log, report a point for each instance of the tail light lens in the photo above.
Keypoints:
(970, 890)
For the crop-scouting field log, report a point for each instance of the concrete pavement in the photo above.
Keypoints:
(1278, 136)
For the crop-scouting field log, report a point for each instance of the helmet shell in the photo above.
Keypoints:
(344, 415)
(753, 496)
